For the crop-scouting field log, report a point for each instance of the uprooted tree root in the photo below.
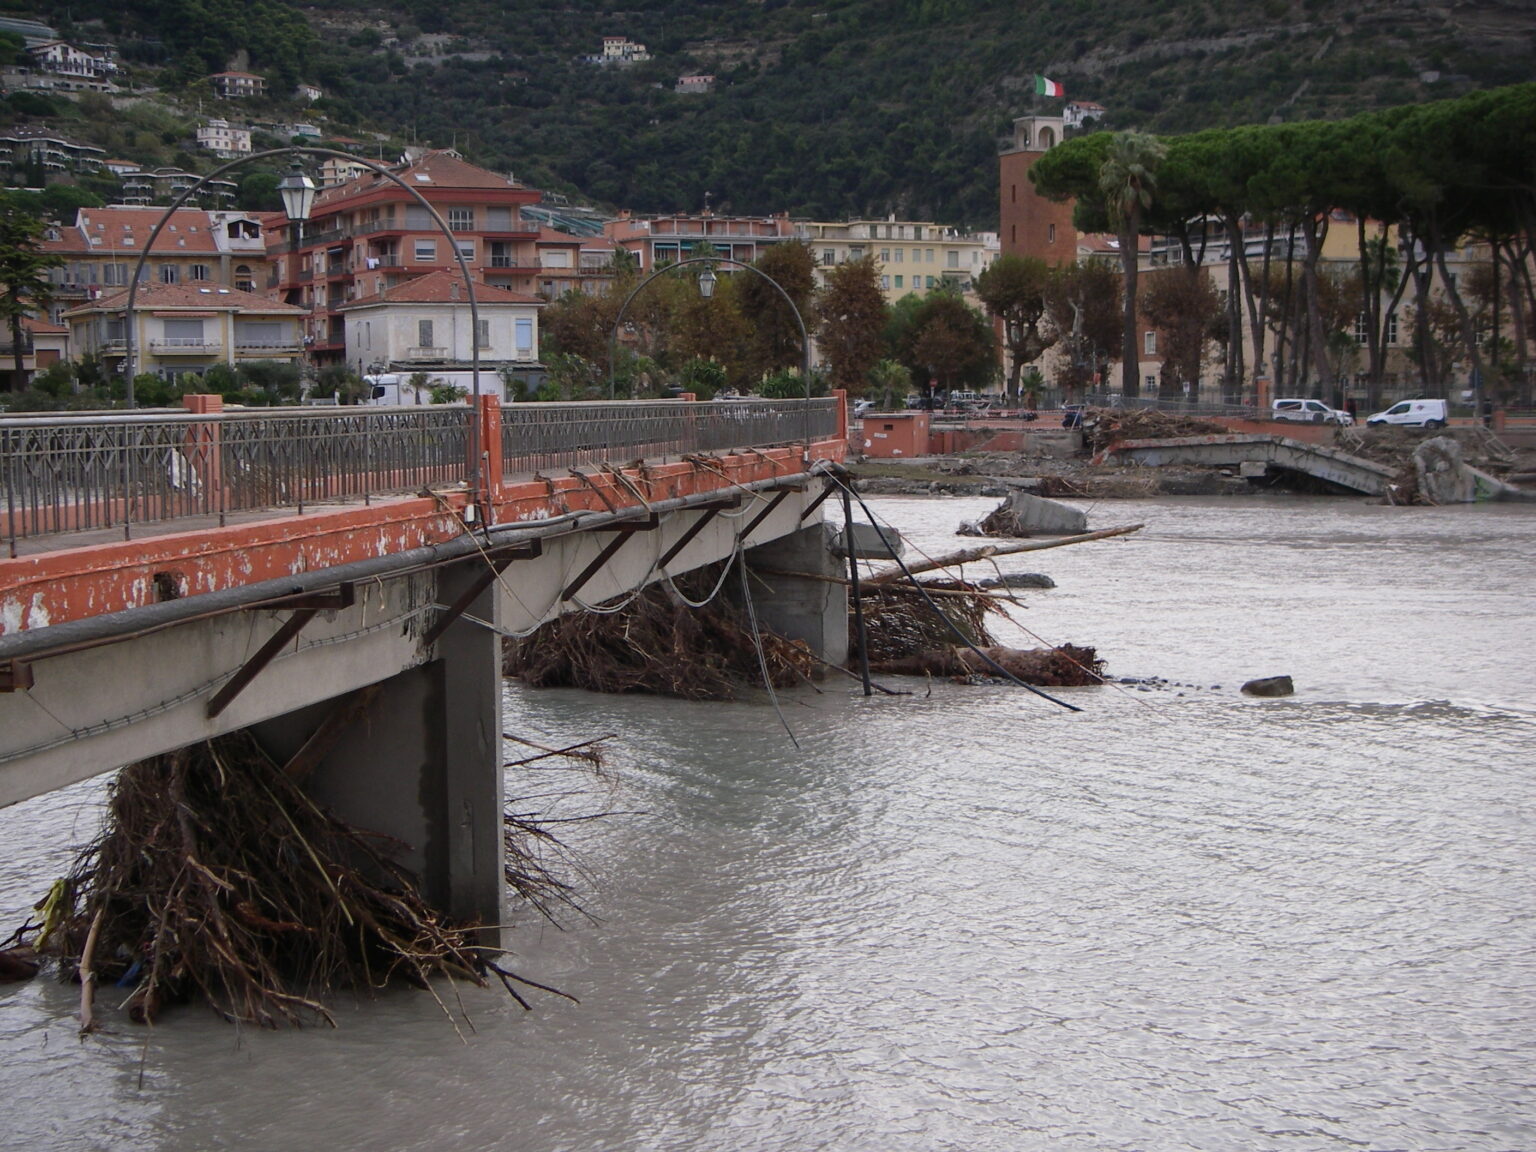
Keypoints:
(216, 876)
(659, 645)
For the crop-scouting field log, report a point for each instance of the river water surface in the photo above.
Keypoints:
(1180, 919)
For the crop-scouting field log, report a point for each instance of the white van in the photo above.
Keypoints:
(1302, 411)
(1413, 413)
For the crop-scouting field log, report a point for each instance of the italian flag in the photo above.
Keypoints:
(1044, 87)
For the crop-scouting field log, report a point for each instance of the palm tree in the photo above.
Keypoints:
(1128, 181)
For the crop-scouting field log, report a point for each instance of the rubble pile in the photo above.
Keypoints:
(1105, 426)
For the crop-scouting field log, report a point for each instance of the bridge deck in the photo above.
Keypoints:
(1318, 460)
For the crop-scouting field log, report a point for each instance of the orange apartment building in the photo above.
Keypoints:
(659, 240)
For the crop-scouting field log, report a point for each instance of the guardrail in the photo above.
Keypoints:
(68, 474)
(539, 436)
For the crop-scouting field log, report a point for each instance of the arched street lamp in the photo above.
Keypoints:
(707, 281)
(298, 193)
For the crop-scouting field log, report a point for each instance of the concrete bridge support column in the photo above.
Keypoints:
(422, 763)
(812, 610)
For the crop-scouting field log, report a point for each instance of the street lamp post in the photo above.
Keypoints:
(707, 282)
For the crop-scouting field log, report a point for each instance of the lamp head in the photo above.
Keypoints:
(298, 193)
(707, 282)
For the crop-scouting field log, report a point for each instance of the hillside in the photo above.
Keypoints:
(826, 109)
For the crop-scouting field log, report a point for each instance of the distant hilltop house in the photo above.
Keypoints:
(162, 185)
(224, 139)
(620, 50)
(62, 59)
(238, 85)
(310, 92)
(1079, 112)
(694, 85)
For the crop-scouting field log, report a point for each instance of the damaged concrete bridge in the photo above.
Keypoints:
(339, 581)
(1255, 454)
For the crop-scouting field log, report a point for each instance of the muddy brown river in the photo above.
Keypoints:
(965, 919)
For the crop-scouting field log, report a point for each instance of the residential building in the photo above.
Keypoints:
(570, 263)
(657, 240)
(101, 246)
(423, 325)
(46, 151)
(334, 171)
(694, 85)
(309, 92)
(1080, 112)
(182, 330)
(224, 139)
(369, 235)
(621, 50)
(911, 256)
(42, 343)
(162, 185)
(237, 85)
(61, 59)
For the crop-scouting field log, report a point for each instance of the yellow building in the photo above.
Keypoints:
(911, 256)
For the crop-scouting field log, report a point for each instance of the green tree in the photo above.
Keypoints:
(1084, 302)
(774, 340)
(1128, 182)
(850, 331)
(1013, 289)
(24, 283)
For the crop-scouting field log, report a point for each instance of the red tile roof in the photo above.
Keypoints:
(440, 169)
(125, 230)
(202, 295)
(442, 287)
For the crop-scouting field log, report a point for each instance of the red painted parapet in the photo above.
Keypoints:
(77, 583)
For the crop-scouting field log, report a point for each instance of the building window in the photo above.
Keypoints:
(899, 281)
(828, 256)
(169, 274)
(1362, 329)
(900, 254)
(928, 255)
(1050, 233)
(917, 255)
(424, 333)
(885, 255)
(198, 272)
(245, 279)
(1149, 344)
(461, 219)
(523, 330)
(885, 283)
(1149, 383)
(426, 251)
(953, 259)
(485, 334)
(1013, 193)
(466, 249)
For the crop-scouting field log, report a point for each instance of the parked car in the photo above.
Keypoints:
(860, 407)
(1303, 411)
(1412, 413)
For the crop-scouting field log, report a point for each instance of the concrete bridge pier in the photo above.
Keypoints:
(420, 759)
(794, 606)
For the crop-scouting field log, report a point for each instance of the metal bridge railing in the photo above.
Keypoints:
(540, 436)
(78, 473)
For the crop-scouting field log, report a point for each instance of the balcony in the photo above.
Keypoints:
(425, 353)
(265, 348)
(336, 270)
(392, 260)
(329, 236)
(504, 262)
(305, 275)
(186, 346)
(386, 225)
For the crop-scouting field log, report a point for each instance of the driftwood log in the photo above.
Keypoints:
(1063, 667)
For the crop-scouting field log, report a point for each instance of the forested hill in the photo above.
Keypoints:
(825, 108)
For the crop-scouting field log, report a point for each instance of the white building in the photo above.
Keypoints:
(622, 50)
(224, 139)
(1079, 112)
(423, 325)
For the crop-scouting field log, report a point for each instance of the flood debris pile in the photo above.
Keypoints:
(1105, 426)
(906, 637)
(661, 645)
(216, 877)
